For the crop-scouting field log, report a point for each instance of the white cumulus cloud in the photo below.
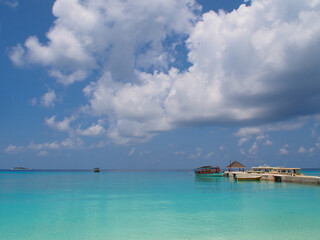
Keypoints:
(62, 126)
(302, 150)
(12, 3)
(43, 153)
(242, 65)
(14, 149)
(112, 34)
(49, 98)
(283, 151)
(255, 65)
(94, 130)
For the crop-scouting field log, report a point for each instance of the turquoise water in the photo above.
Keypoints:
(156, 205)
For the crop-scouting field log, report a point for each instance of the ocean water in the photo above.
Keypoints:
(153, 205)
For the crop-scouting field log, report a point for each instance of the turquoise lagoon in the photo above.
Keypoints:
(40, 205)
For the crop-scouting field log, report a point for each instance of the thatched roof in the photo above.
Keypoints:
(236, 164)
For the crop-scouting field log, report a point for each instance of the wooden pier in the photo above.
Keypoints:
(280, 178)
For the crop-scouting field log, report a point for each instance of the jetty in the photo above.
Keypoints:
(276, 174)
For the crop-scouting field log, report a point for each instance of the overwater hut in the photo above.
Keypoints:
(235, 165)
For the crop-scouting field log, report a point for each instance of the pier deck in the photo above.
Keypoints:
(280, 178)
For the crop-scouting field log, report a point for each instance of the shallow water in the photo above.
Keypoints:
(155, 205)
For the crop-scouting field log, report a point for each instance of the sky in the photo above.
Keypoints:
(162, 84)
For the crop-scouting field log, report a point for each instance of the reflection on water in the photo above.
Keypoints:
(208, 179)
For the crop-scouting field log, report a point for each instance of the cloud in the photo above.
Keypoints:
(47, 145)
(116, 35)
(244, 61)
(100, 144)
(248, 131)
(251, 67)
(14, 149)
(43, 153)
(179, 153)
(131, 152)
(16, 55)
(94, 130)
(196, 155)
(135, 112)
(271, 127)
(284, 150)
(209, 155)
(268, 142)
(302, 150)
(48, 99)
(72, 143)
(243, 141)
(228, 83)
(260, 140)
(62, 126)
(33, 101)
(68, 79)
(246, 134)
(142, 153)
(69, 143)
(254, 149)
(12, 3)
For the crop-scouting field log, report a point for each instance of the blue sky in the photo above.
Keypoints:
(161, 84)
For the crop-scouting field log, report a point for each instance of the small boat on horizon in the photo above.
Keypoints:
(208, 171)
(96, 169)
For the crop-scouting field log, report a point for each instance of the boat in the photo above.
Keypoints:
(276, 170)
(96, 169)
(208, 171)
(261, 169)
(287, 171)
(247, 177)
